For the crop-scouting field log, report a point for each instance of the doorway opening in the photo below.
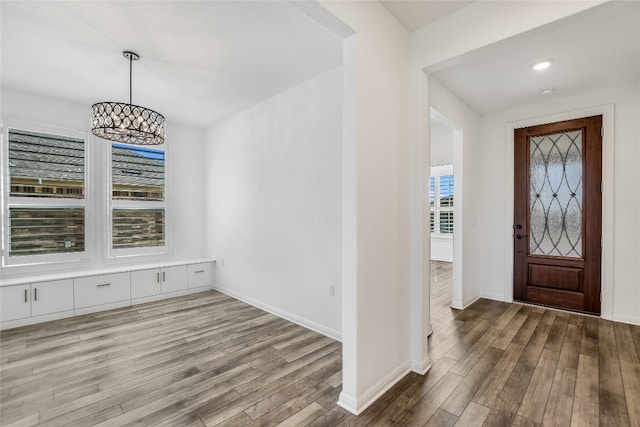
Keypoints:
(445, 211)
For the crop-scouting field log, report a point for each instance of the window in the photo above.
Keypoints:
(137, 200)
(441, 199)
(45, 205)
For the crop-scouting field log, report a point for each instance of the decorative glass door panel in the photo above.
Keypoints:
(555, 194)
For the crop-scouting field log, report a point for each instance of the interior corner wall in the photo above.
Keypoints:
(379, 349)
(625, 211)
(273, 203)
(470, 269)
(184, 146)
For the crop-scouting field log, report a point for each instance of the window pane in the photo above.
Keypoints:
(446, 222)
(446, 190)
(432, 220)
(137, 173)
(42, 165)
(37, 231)
(138, 228)
(432, 192)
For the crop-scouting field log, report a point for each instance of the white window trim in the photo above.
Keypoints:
(32, 263)
(135, 253)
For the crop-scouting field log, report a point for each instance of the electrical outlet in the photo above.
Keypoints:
(332, 290)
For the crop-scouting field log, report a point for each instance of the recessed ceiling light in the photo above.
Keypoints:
(542, 65)
(548, 91)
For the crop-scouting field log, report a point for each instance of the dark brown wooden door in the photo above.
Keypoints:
(558, 214)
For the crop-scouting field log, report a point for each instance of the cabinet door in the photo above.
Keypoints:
(51, 297)
(145, 283)
(15, 302)
(104, 289)
(199, 275)
(174, 278)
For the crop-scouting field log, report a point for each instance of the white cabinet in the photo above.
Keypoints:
(146, 283)
(15, 302)
(36, 299)
(174, 279)
(51, 297)
(103, 289)
(199, 275)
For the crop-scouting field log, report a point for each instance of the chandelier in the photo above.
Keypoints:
(127, 123)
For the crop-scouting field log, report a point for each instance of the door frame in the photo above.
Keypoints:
(457, 300)
(606, 279)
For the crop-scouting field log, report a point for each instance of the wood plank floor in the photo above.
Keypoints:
(209, 360)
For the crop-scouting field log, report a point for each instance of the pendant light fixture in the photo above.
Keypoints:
(127, 123)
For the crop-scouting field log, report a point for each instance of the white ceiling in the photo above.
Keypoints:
(205, 61)
(200, 62)
(595, 49)
(414, 14)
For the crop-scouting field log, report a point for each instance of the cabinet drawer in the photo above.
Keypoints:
(105, 289)
(199, 275)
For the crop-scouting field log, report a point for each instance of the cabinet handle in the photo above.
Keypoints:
(26, 298)
(35, 294)
(199, 271)
(158, 277)
(104, 284)
(164, 278)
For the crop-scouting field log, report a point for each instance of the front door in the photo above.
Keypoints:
(558, 214)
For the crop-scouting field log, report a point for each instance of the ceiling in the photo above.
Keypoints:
(201, 62)
(415, 14)
(592, 50)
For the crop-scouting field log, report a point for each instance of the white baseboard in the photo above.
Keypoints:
(461, 305)
(180, 293)
(98, 308)
(357, 405)
(633, 320)
(495, 297)
(102, 307)
(421, 367)
(36, 319)
(306, 323)
(348, 402)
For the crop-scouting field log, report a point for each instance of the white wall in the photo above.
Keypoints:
(441, 144)
(625, 210)
(376, 348)
(185, 176)
(274, 211)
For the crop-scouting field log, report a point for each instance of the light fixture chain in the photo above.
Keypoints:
(130, 79)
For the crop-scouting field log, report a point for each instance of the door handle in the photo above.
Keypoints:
(520, 236)
(25, 296)
(35, 294)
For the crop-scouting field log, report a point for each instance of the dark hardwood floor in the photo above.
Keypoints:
(208, 360)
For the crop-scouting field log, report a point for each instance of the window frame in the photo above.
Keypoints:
(33, 262)
(111, 204)
(435, 209)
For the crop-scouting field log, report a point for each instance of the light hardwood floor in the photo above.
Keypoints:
(207, 359)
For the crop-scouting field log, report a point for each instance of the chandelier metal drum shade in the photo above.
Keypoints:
(127, 123)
